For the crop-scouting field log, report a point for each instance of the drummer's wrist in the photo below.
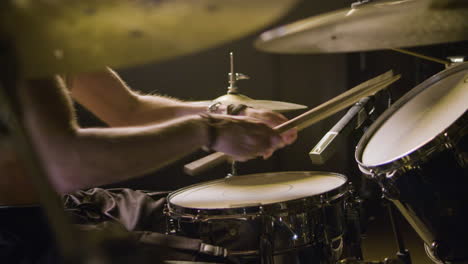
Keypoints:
(210, 130)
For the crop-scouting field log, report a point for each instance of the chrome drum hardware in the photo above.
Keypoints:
(284, 217)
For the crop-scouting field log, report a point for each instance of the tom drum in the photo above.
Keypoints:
(417, 151)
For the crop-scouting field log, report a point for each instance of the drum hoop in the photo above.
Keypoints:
(315, 201)
(446, 139)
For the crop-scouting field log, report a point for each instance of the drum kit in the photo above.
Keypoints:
(416, 151)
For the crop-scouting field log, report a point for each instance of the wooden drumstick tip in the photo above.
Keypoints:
(200, 165)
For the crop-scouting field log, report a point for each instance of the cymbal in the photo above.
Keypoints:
(277, 106)
(371, 26)
(55, 36)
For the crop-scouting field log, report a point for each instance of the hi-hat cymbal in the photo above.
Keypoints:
(55, 36)
(259, 104)
(371, 26)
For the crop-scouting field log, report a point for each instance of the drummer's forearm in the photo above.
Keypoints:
(77, 158)
(153, 109)
(94, 157)
(109, 98)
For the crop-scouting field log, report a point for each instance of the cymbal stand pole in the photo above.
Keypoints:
(233, 169)
(10, 79)
(422, 56)
(266, 240)
(232, 75)
(403, 253)
(354, 233)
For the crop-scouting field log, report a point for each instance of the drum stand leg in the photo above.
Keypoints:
(266, 244)
(354, 232)
(403, 254)
(66, 239)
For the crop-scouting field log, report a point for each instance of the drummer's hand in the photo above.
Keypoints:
(246, 138)
(272, 119)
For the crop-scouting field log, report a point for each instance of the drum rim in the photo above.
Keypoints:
(325, 198)
(440, 142)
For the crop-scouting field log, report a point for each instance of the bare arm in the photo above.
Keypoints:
(106, 95)
(109, 98)
(77, 158)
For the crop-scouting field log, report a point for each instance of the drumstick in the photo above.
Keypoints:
(308, 118)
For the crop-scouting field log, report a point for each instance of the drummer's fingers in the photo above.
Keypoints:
(260, 148)
(272, 119)
(277, 142)
(267, 154)
(290, 136)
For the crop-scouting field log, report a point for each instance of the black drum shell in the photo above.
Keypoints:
(433, 198)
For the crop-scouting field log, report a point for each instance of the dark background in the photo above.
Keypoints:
(302, 79)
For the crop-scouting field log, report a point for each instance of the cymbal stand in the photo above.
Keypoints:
(403, 253)
(422, 56)
(233, 169)
(233, 77)
(402, 256)
(353, 237)
(10, 79)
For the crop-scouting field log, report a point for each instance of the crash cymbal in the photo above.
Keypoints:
(259, 104)
(56, 36)
(371, 26)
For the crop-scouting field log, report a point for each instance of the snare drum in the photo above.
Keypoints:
(285, 217)
(417, 151)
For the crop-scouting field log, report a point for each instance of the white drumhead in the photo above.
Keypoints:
(419, 120)
(256, 189)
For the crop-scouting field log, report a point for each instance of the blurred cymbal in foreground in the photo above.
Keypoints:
(55, 36)
(277, 106)
(371, 26)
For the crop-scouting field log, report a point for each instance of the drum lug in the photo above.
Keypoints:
(387, 185)
(390, 193)
(324, 201)
(199, 217)
(171, 227)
